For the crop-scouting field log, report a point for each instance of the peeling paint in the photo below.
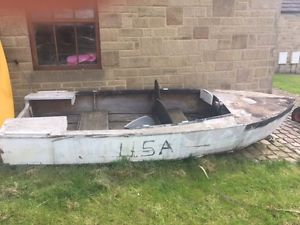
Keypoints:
(30, 141)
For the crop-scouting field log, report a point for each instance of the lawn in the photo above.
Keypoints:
(176, 192)
(287, 82)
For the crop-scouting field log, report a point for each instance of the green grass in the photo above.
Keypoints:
(178, 192)
(287, 82)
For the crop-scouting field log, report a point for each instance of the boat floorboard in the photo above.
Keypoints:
(94, 121)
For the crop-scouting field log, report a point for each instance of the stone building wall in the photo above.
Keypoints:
(227, 44)
(288, 39)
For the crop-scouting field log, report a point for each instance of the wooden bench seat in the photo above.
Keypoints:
(93, 121)
(177, 116)
(168, 116)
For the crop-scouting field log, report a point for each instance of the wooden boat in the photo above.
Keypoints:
(61, 127)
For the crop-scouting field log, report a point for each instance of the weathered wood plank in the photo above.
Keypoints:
(93, 121)
(177, 116)
(117, 125)
(167, 115)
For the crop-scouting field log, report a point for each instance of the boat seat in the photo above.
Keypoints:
(177, 116)
(93, 121)
(168, 116)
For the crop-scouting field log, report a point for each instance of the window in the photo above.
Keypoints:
(65, 39)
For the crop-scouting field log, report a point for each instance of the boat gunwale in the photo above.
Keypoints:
(137, 91)
(130, 133)
(266, 121)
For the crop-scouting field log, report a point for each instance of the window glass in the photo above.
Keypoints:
(45, 45)
(87, 44)
(66, 42)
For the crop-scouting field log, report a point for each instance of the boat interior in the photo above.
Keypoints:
(129, 109)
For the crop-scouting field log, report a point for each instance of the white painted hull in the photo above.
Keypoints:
(46, 140)
(89, 148)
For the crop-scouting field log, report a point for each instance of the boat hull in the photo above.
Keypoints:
(169, 144)
(6, 96)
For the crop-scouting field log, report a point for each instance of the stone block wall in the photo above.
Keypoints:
(214, 44)
(288, 40)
